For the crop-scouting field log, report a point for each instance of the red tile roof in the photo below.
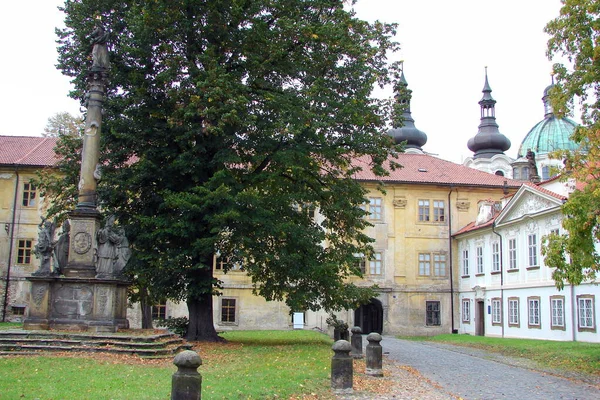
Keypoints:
(546, 191)
(27, 151)
(426, 169)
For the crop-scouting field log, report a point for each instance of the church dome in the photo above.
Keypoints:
(550, 134)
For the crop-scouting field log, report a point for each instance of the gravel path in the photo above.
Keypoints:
(430, 371)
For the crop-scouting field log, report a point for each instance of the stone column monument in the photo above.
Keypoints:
(85, 290)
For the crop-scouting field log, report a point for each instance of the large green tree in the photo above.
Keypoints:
(575, 39)
(226, 122)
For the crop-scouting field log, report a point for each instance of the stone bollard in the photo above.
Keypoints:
(341, 367)
(186, 383)
(374, 355)
(357, 342)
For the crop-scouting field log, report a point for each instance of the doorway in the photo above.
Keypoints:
(480, 319)
(369, 317)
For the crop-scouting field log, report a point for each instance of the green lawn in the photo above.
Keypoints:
(250, 365)
(10, 325)
(570, 356)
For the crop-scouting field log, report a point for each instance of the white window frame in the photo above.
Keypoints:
(586, 320)
(534, 317)
(466, 311)
(439, 211)
(423, 210)
(496, 257)
(424, 264)
(532, 250)
(557, 310)
(512, 254)
(496, 311)
(439, 265)
(513, 311)
(479, 258)
(375, 208)
(465, 262)
(376, 264)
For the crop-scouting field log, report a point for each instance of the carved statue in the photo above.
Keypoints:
(44, 247)
(113, 249)
(61, 250)
(533, 171)
(99, 50)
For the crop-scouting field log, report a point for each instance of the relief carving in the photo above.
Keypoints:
(463, 205)
(399, 202)
(38, 293)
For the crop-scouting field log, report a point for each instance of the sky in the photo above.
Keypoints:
(445, 46)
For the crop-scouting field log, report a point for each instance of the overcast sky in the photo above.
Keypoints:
(445, 47)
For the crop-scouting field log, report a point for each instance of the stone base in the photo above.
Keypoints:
(66, 303)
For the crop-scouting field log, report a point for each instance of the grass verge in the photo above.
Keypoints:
(250, 365)
(576, 357)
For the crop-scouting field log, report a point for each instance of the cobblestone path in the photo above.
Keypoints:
(474, 374)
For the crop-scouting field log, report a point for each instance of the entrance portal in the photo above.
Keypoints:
(480, 319)
(370, 317)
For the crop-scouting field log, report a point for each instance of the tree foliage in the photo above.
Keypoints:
(63, 123)
(575, 36)
(225, 123)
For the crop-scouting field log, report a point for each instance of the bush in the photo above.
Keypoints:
(177, 325)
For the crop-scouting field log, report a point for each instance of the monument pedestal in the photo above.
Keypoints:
(99, 305)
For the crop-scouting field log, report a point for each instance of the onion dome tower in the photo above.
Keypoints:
(404, 129)
(489, 141)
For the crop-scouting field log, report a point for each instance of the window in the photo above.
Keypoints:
(512, 254)
(439, 264)
(496, 311)
(516, 174)
(532, 246)
(375, 208)
(24, 247)
(496, 257)
(513, 311)
(424, 264)
(545, 172)
(465, 262)
(361, 263)
(29, 194)
(585, 314)
(228, 310)
(466, 311)
(224, 263)
(534, 312)
(159, 311)
(432, 313)
(375, 264)
(480, 260)
(18, 310)
(525, 173)
(439, 209)
(423, 210)
(557, 307)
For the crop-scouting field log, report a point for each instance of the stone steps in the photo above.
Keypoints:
(21, 342)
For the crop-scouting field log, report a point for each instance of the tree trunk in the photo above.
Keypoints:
(146, 308)
(201, 326)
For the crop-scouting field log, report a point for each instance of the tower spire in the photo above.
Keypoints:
(488, 141)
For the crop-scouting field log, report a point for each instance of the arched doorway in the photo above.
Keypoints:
(369, 317)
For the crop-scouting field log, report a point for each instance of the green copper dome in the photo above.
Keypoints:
(550, 134)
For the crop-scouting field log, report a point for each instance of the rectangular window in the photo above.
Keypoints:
(585, 313)
(465, 262)
(159, 311)
(433, 313)
(224, 263)
(424, 264)
(18, 310)
(361, 263)
(513, 311)
(24, 247)
(439, 210)
(375, 264)
(480, 260)
(29, 195)
(439, 264)
(375, 208)
(423, 210)
(466, 311)
(496, 257)
(496, 311)
(228, 311)
(534, 312)
(512, 254)
(532, 246)
(557, 306)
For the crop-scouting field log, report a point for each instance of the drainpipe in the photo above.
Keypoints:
(454, 330)
(10, 245)
(501, 278)
(573, 313)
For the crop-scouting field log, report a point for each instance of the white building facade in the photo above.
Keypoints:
(505, 288)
